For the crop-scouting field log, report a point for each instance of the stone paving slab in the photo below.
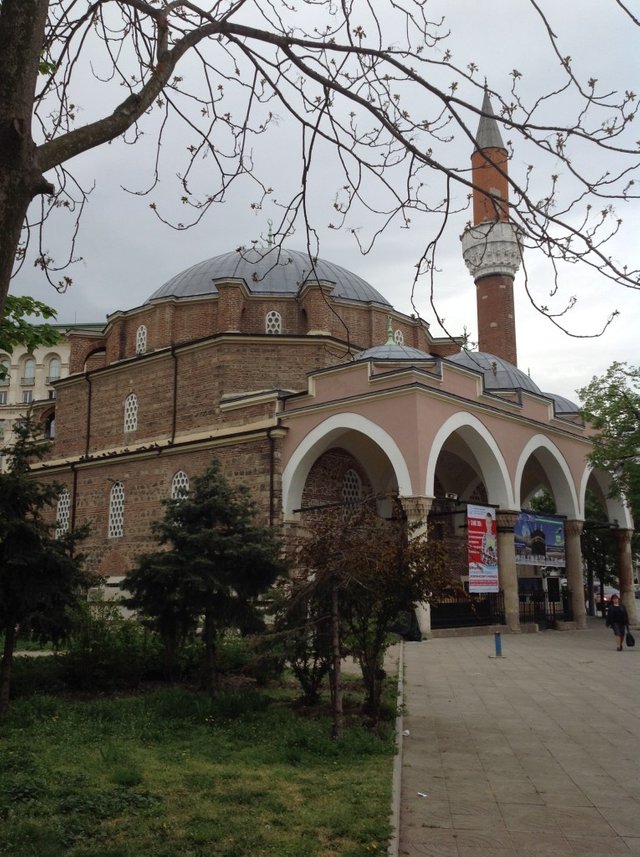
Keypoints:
(534, 754)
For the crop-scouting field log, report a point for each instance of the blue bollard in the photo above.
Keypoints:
(498, 639)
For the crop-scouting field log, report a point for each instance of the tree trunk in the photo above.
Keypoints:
(336, 678)
(5, 667)
(22, 26)
(210, 672)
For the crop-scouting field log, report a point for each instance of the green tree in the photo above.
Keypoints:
(213, 565)
(372, 85)
(611, 403)
(41, 577)
(15, 329)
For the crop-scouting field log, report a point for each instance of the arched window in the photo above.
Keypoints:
(29, 371)
(179, 485)
(116, 511)
(141, 339)
(54, 369)
(273, 322)
(351, 488)
(5, 365)
(50, 426)
(62, 513)
(398, 337)
(131, 412)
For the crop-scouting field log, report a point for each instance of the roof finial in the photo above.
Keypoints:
(390, 339)
(270, 233)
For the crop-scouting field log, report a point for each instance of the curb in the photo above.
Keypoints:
(396, 780)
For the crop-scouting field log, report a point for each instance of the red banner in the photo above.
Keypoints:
(482, 546)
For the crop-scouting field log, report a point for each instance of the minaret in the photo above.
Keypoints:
(489, 246)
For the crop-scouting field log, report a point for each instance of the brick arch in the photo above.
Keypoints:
(374, 449)
(556, 470)
(493, 467)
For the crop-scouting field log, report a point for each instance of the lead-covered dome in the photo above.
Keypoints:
(272, 271)
(394, 353)
(498, 374)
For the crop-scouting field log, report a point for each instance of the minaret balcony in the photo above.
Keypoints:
(491, 248)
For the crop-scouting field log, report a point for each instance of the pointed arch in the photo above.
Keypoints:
(616, 509)
(481, 442)
(556, 469)
(327, 434)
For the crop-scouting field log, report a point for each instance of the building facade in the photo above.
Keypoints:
(311, 388)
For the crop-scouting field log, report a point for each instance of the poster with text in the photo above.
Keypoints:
(482, 546)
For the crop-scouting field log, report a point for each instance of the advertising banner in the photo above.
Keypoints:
(539, 539)
(482, 546)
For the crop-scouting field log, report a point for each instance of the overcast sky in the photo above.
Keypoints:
(127, 254)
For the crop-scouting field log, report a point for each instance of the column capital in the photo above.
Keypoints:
(573, 527)
(623, 535)
(416, 508)
(506, 520)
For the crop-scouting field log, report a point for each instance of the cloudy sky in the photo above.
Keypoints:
(127, 253)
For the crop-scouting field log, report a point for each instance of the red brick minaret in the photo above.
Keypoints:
(489, 245)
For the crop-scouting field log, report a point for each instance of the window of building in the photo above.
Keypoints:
(273, 322)
(398, 337)
(50, 427)
(4, 371)
(29, 371)
(351, 488)
(62, 513)
(179, 485)
(3, 397)
(131, 412)
(54, 369)
(116, 511)
(27, 396)
(141, 339)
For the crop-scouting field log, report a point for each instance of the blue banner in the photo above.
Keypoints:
(539, 539)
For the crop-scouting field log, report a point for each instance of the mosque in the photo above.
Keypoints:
(310, 388)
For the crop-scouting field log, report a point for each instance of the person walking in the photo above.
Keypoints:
(617, 619)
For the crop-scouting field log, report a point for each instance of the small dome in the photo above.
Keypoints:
(393, 353)
(498, 374)
(561, 405)
(271, 270)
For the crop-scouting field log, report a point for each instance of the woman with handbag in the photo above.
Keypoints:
(617, 619)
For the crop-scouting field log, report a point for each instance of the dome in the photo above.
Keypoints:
(498, 374)
(271, 271)
(393, 353)
(561, 405)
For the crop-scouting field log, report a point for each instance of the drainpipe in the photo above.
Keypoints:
(174, 416)
(74, 490)
(88, 430)
(272, 465)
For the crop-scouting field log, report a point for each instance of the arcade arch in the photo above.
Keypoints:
(542, 465)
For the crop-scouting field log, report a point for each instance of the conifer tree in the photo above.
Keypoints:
(213, 563)
(41, 577)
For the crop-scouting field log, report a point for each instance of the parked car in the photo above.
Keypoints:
(603, 603)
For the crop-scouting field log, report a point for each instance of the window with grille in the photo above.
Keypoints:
(398, 337)
(179, 485)
(141, 339)
(131, 412)
(62, 513)
(351, 488)
(116, 510)
(273, 322)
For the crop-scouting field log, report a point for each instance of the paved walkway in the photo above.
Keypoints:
(535, 753)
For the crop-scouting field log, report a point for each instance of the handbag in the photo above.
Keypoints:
(630, 640)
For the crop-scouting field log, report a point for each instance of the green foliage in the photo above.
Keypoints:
(109, 652)
(213, 564)
(611, 403)
(16, 330)
(41, 577)
(543, 502)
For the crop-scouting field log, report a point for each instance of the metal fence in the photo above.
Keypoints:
(544, 612)
(467, 610)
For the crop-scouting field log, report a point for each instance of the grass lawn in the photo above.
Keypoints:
(170, 773)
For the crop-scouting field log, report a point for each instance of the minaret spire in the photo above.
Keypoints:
(489, 245)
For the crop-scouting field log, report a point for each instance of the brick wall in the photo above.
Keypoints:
(496, 317)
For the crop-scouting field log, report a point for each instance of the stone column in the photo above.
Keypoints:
(575, 575)
(417, 511)
(508, 575)
(625, 573)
